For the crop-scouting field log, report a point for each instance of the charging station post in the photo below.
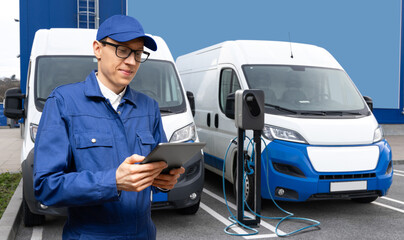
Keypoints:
(249, 115)
(247, 108)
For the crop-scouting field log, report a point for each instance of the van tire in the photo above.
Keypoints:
(249, 186)
(191, 210)
(31, 219)
(364, 199)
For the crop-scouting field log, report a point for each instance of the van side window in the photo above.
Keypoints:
(228, 84)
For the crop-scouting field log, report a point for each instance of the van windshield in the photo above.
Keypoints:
(157, 79)
(53, 71)
(306, 91)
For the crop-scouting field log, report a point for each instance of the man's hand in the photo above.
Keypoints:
(167, 181)
(136, 177)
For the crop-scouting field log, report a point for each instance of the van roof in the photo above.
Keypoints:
(63, 41)
(242, 52)
(75, 41)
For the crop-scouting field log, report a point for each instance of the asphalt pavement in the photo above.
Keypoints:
(10, 147)
(10, 150)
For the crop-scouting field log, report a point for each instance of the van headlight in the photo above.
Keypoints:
(378, 135)
(33, 129)
(273, 132)
(184, 134)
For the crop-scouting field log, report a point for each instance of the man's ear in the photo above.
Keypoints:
(97, 49)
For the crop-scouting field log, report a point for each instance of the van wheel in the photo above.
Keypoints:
(190, 210)
(364, 199)
(31, 219)
(248, 189)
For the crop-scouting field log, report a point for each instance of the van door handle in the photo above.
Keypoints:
(208, 120)
(216, 120)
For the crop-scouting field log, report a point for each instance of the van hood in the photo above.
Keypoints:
(329, 131)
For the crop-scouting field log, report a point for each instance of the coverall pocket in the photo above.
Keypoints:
(146, 142)
(94, 151)
(87, 140)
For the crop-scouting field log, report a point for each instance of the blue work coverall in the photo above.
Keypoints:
(81, 141)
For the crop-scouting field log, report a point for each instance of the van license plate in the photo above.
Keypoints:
(348, 186)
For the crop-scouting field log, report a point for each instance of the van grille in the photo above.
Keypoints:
(347, 176)
(345, 195)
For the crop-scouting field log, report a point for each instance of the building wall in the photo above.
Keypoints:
(39, 14)
(3, 119)
(363, 35)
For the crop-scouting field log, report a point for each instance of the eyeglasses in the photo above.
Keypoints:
(124, 52)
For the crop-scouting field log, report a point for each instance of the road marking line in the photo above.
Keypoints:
(395, 170)
(37, 233)
(227, 222)
(233, 206)
(221, 218)
(390, 207)
(261, 236)
(220, 199)
(393, 200)
(397, 174)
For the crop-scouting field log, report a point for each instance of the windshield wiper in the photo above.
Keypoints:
(41, 99)
(348, 113)
(166, 111)
(279, 108)
(325, 113)
(317, 113)
(342, 113)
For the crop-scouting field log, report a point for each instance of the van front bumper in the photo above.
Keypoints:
(34, 205)
(187, 192)
(180, 197)
(293, 178)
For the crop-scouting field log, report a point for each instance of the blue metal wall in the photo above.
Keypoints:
(3, 119)
(395, 116)
(365, 36)
(39, 14)
(356, 48)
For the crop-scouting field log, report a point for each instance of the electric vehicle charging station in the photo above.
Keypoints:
(249, 115)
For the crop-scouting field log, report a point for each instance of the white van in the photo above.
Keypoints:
(322, 140)
(61, 56)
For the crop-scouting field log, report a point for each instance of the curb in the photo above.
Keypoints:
(11, 218)
(397, 162)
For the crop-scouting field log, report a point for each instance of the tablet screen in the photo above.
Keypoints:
(174, 154)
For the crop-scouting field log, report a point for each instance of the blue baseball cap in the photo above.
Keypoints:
(122, 28)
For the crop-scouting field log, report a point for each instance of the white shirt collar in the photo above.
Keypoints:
(114, 98)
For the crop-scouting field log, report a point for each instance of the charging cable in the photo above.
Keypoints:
(233, 219)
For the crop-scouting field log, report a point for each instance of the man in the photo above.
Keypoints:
(93, 134)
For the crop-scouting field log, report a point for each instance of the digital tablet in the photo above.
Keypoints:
(174, 154)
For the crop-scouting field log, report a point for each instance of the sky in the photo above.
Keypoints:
(9, 42)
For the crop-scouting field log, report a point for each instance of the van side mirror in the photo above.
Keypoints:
(191, 100)
(13, 103)
(230, 105)
(369, 102)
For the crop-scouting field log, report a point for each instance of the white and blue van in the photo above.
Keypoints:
(322, 140)
(55, 52)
